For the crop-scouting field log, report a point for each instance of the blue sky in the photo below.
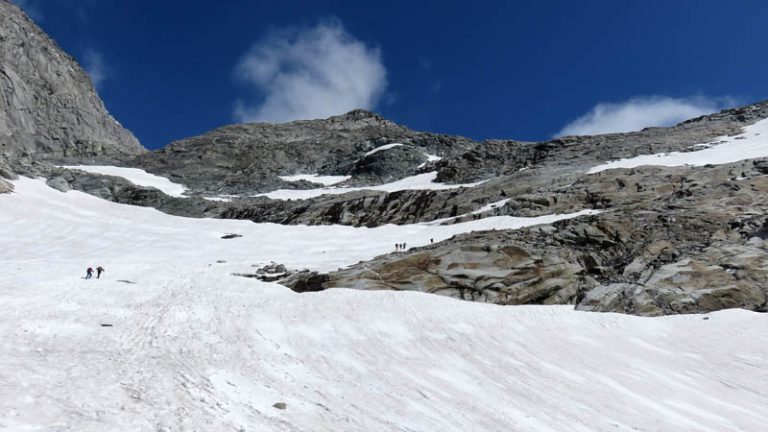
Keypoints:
(522, 70)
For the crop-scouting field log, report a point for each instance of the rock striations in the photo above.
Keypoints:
(47, 102)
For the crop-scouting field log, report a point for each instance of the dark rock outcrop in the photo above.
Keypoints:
(687, 240)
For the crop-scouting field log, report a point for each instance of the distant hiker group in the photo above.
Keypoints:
(89, 272)
(402, 246)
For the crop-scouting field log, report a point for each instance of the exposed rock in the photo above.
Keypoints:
(576, 153)
(59, 183)
(248, 158)
(388, 165)
(5, 169)
(670, 239)
(307, 281)
(268, 273)
(502, 275)
(5, 186)
(47, 102)
(686, 241)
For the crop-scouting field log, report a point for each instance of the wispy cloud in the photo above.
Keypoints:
(310, 73)
(93, 62)
(641, 112)
(30, 7)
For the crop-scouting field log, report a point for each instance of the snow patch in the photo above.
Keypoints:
(139, 177)
(751, 144)
(316, 178)
(382, 148)
(430, 158)
(221, 198)
(424, 181)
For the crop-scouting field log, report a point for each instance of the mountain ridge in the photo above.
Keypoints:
(48, 105)
(642, 227)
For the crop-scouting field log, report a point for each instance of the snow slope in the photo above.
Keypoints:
(136, 176)
(751, 144)
(192, 347)
(430, 158)
(384, 147)
(424, 181)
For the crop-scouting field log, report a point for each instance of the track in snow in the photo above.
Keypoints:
(193, 348)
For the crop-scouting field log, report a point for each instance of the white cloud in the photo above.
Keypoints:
(641, 112)
(30, 8)
(93, 62)
(310, 73)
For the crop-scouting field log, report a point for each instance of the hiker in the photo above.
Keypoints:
(99, 271)
(403, 245)
(89, 273)
(431, 241)
(397, 246)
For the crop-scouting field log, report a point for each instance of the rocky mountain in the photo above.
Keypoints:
(657, 240)
(47, 102)
(249, 158)
(667, 240)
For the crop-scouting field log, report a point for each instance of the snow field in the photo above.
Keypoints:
(192, 347)
(751, 144)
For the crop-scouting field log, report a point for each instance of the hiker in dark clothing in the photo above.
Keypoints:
(99, 271)
(89, 273)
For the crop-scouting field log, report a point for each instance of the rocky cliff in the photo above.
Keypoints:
(47, 102)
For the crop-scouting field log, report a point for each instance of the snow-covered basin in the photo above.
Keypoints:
(424, 181)
(751, 144)
(136, 176)
(192, 347)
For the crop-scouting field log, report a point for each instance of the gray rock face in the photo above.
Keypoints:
(672, 240)
(47, 102)
(388, 165)
(501, 274)
(249, 158)
(575, 153)
(5, 186)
